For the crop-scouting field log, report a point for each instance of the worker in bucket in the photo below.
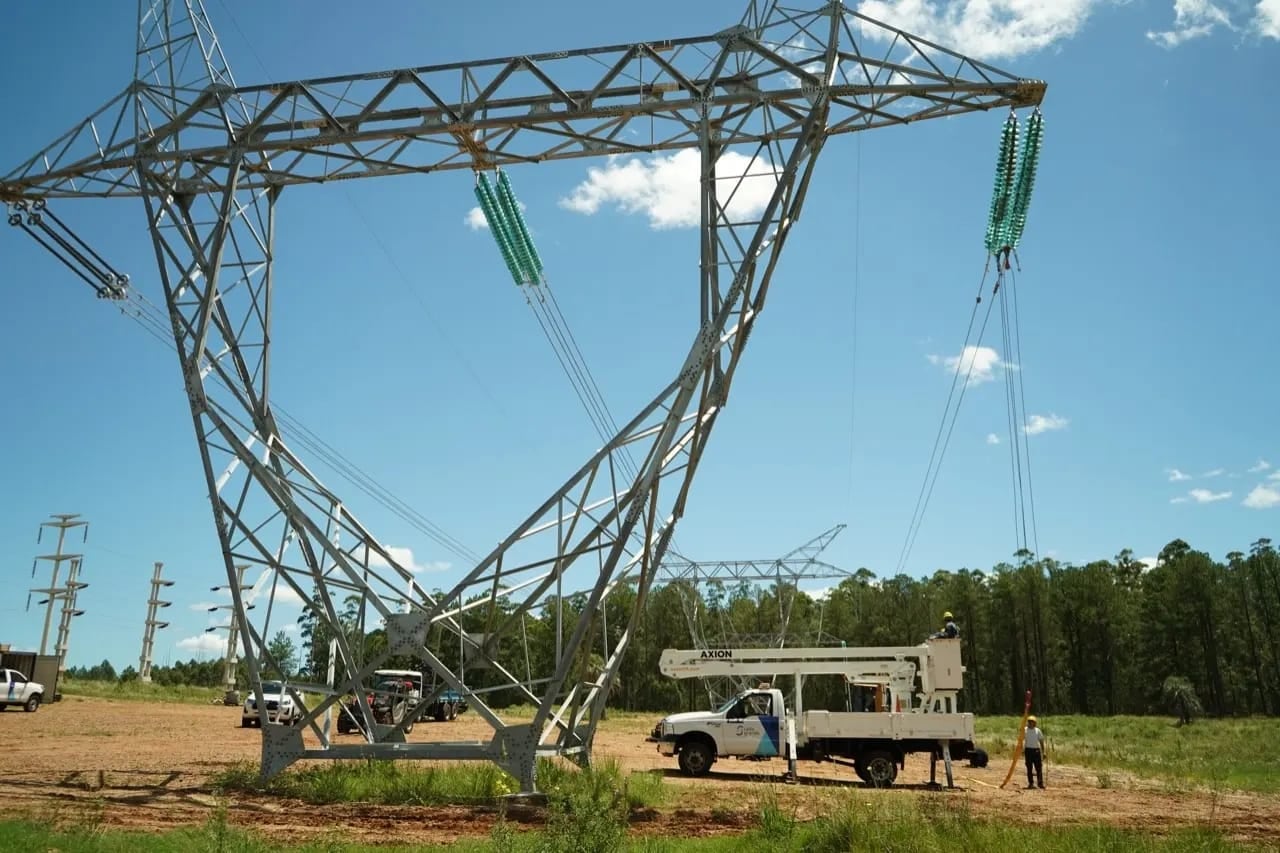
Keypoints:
(1033, 744)
(949, 629)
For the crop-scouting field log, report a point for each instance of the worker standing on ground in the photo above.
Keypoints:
(1033, 744)
(950, 630)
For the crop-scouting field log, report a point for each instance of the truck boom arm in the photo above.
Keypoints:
(937, 661)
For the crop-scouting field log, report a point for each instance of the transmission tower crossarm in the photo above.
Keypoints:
(650, 96)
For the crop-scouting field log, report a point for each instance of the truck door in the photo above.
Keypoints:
(752, 726)
(15, 691)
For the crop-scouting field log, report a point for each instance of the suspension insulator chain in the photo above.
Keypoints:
(502, 212)
(1005, 171)
(1028, 163)
(55, 237)
(504, 191)
(497, 225)
(506, 205)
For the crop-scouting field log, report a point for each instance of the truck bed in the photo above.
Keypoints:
(864, 725)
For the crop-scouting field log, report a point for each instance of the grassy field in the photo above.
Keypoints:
(926, 828)
(1220, 754)
(137, 691)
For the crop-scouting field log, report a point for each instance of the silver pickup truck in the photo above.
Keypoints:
(15, 689)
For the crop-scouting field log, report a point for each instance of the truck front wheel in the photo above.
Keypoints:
(32, 704)
(696, 757)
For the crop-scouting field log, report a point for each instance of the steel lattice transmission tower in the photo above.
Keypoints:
(710, 621)
(212, 160)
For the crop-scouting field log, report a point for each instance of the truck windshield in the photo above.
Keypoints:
(724, 709)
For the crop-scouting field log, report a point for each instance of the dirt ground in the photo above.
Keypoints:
(148, 766)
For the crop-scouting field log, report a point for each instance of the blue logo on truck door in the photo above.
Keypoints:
(769, 741)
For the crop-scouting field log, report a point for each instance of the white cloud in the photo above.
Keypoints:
(667, 188)
(1204, 496)
(985, 29)
(1192, 19)
(978, 363)
(1266, 18)
(211, 642)
(1262, 497)
(1177, 500)
(403, 556)
(1176, 476)
(1274, 475)
(1263, 464)
(1216, 472)
(1149, 562)
(992, 438)
(1037, 424)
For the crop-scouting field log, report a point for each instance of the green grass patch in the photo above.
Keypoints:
(590, 819)
(371, 781)
(215, 836)
(139, 692)
(412, 783)
(1231, 754)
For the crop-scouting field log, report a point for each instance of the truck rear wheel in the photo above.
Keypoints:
(696, 758)
(877, 769)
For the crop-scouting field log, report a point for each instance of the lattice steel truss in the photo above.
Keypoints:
(211, 159)
(712, 627)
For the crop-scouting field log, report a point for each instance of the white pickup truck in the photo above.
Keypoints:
(16, 689)
(912, 717)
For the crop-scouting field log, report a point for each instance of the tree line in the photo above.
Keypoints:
(1106, 637)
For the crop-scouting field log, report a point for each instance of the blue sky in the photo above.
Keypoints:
(1147, 303)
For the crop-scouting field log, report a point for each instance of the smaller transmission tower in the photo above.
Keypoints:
(69, 612)
(713, 627)
(63, 521)
(230, 695)
(152, 625)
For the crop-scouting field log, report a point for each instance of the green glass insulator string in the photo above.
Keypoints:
(522, 230)
(1029, 162)
(1003, 182)
(497, 225)
(510, 209)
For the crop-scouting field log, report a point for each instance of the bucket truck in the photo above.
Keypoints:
(915, 709)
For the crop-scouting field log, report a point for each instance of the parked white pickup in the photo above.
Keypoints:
(15, 689)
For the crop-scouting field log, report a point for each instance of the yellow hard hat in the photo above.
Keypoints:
(947, 615)
(1031, 719)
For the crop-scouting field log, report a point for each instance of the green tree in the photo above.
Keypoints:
(285, 655)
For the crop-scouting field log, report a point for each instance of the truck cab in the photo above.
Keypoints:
(747, 726)
(17, 689)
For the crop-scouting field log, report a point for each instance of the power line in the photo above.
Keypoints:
(148, 317)
(926, 487)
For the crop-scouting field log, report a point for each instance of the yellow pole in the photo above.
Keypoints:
(1017, 747)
